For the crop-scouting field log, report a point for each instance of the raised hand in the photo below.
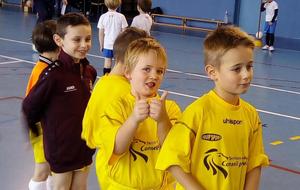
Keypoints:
(158, 109)
(141, 109)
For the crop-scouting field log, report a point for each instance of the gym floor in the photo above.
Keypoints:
(275, 93)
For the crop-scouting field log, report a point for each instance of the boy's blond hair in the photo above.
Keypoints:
(224, 38)
(112, 4)
(140, 47)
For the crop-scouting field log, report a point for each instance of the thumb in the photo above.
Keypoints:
(164, 95)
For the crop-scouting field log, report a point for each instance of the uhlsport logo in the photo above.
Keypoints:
(212, 159)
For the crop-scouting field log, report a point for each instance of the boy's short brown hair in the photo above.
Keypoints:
(145, 5)
(224, 38)
(42, 36)
(143, 46)
(70, 19)
(112, 4)
(124, 39)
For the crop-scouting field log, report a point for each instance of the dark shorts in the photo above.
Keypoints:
(107, 53)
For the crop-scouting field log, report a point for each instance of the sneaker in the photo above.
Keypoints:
(271, 48)
(266, 47)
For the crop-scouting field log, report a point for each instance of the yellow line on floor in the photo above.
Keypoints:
(276, 143)
(294, 138)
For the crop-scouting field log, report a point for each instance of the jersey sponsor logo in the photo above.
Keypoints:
(211, 137)
(232, 121)
(218, 162)
(211, 162)
(70, 88)
(138, 148)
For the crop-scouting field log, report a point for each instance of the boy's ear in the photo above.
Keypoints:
(211, 72)
(127, 74)
(57, 39)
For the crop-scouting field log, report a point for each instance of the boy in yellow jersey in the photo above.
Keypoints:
(42, 38)
(134, 126)
(217, 144)
(111, 86)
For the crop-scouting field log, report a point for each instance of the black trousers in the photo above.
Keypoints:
(44, 9)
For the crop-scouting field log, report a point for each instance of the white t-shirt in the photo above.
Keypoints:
(142, 21)
(112, 22)
(270, 10)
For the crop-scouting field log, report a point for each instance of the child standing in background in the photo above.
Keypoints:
(42, 39)
(134, 126)
(110, 25)
(221, 145)
(271, 8)
(59, 100)
(108, 88)
(143, 20)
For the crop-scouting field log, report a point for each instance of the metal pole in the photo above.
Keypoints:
(259, 19)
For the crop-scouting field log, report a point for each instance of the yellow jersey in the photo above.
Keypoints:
(135, 169)
(218, 143)
(108, 88)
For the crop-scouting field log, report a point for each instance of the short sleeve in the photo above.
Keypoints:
(175, 152)
(257, 156)
(124, 22)
(111, 120)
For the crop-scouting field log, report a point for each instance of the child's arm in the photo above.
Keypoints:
(127, 130)
(252, 179)
(159, 114)
(101, 39)
(185, 179)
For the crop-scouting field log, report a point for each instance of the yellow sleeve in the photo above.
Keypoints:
(91, 117)
(111, 120)
(173, 111)
(257, 156)
(175, 152)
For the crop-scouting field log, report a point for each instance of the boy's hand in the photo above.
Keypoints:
(141, 109)
(158, 108)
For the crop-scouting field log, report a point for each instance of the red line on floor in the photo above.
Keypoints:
(284, 169)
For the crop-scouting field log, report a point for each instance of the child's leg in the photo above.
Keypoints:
(79, 181)
(107, 65)
(38, 181)
(62, 181)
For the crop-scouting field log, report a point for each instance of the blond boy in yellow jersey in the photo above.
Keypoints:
(134, 126)
(109, 87)
(217, 144)
(42, 38)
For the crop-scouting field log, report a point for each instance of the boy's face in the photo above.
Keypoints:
(77, 41)
(147, 75)
(234, 74)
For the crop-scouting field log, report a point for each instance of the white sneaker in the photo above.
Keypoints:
(271, 48)
(266, 47)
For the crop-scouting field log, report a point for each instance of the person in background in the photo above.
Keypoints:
(271, 8)
(221, 145)
(143, 20)
(110, 25)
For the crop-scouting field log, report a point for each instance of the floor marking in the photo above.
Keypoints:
(295, 138)
(175, 71)
(284, 169)
(275, 143)
(9, 62)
